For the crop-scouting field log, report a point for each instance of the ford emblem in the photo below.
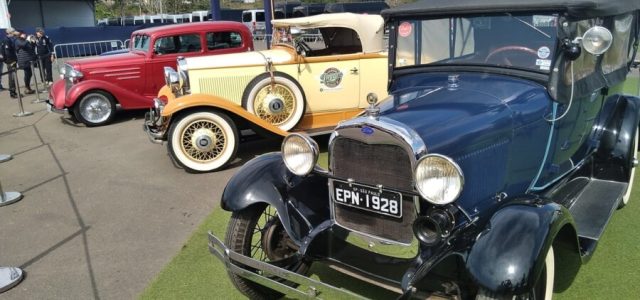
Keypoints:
(367, 130)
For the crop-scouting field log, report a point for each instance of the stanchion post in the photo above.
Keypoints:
(10, 277)
(5, 157)
(35, 79)
(21, 113)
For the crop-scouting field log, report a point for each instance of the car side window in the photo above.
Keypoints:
(223, 40)
(331, 41)
(177, 44)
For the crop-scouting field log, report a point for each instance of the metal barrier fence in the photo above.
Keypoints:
(74, 50)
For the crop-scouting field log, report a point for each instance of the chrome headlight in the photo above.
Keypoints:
(171, 79)
(300, 153)
(75, 74)
(183, 74)
(439, 179)
(597, 40)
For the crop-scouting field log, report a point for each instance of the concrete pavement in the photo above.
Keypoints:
(104, 210)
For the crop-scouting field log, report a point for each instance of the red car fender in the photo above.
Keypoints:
(57, 94)
(126, 98)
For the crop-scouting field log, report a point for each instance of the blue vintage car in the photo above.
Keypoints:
(504, 148)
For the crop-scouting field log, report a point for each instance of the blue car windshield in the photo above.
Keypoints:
(507, 40)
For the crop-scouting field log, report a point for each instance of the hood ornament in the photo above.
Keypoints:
(452, 82)
(372, 111)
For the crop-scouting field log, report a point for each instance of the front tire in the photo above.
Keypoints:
(257, 232)
(282, 105)
(542, 290)
(96, 108)
(203, 141)
(632, 175)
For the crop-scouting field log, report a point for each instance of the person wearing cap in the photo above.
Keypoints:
(25, 50)
(8, 52)
(44, 51)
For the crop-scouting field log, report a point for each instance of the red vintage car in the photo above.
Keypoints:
(91, 88)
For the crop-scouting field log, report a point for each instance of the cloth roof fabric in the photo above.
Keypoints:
(370, 28)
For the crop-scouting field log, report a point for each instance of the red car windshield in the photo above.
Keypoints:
(141, 42)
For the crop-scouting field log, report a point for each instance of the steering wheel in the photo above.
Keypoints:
(510, 48)
(302, 47)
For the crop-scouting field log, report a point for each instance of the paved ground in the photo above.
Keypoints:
(103, 210)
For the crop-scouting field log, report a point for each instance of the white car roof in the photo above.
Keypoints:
(370, 28)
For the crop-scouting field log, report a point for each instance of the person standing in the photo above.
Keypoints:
(26, 56)
(8, 52)
(44, 51)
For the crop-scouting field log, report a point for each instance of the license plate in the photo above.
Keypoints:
(368, 198)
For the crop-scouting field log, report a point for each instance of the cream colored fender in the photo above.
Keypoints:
(203, 100)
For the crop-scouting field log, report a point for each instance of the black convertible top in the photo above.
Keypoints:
(575, 9)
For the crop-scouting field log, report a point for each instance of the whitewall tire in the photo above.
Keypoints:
(281, 104)
(542, 290)
(203, 141)
(627, 195)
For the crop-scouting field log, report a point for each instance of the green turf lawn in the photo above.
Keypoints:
(612, 273)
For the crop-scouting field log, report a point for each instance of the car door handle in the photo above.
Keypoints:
(354, 71)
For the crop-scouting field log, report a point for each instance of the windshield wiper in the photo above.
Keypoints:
(531, 26)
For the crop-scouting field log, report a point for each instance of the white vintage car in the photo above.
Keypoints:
(317, 73)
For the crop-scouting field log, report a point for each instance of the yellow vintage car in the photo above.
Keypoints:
(317, 73)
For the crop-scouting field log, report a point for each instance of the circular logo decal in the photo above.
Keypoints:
(331, 77)
(367, 130)
(405, 29)
(544, 52)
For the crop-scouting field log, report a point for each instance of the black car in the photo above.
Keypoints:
(504, 148)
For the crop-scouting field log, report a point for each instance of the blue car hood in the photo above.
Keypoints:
(445, 113)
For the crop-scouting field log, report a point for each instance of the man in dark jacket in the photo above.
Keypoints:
(44, 51)
(26, 53)
(10, 59)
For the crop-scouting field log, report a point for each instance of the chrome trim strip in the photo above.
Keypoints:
(232, 259)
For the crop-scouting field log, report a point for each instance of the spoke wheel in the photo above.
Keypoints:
(95, 109)
(274, 105)
(280, 103)
(203, 141)
(257, 232)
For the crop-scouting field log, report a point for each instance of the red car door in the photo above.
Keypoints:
(164, 52)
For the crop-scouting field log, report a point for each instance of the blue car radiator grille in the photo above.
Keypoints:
(373, 164)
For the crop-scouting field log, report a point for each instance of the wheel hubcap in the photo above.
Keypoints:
(203, 141)
(96, 109)
(276, 105)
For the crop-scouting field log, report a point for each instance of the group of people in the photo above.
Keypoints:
(19, 51)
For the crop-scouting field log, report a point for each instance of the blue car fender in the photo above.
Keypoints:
(509, 253)
(300, 201)
(616, 127)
